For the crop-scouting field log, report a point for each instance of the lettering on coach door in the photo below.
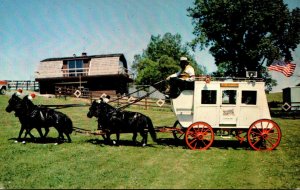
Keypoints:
(229, 112)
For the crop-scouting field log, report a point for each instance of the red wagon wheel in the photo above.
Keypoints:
(199, 135)
(264, 134)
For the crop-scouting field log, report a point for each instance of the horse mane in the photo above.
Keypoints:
(17, 101)
(29, 105)
(109, 106)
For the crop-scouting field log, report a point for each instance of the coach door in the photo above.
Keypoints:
(228, 105)
(206, 103)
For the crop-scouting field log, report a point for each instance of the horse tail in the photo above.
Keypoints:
(151, 129)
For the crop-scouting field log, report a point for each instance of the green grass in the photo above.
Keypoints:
(88, 163)
(276, 97)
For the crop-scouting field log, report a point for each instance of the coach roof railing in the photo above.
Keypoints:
(233, 79)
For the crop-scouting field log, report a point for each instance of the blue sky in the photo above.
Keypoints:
(33, 30)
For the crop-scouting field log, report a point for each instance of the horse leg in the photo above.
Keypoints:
(134, 137)
(69, 138)
(40, 132)
(46, 131)
(21, 132)
(100, 128)
(31, 136)
(118, 138)
(104, 138)
(60, 137)
(144, 134)
(108, 138)
(27, 131)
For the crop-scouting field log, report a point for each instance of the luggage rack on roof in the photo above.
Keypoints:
(233, 79)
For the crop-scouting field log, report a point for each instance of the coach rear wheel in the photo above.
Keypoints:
(178, 134)
(199, 136)
(264, 134)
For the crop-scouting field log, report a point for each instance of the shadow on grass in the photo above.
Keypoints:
(121, 143)
(169, 142)
(222, 144)
(172, 142)
(234, 144)
(47, 140)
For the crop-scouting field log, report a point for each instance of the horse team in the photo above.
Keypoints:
(110, 120)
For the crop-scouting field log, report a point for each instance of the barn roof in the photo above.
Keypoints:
(84, 57)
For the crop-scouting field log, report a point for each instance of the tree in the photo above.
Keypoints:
(245, 34)
(161, 58)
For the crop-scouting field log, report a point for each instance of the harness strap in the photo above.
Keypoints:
(42, 116)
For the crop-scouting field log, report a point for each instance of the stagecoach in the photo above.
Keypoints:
(215, 108)
(225, 108)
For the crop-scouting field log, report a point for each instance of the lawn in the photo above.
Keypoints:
(89, 163)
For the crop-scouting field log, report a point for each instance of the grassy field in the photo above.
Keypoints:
(89, 163)
(277, 97)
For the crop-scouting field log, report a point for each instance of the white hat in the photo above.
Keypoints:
(183, 59)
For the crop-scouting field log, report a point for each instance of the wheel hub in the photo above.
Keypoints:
(200, 136)
(264, 135)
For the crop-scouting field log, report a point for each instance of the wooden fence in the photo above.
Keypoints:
(63, 91)
(146, 103)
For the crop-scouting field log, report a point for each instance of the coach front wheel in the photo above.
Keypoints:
(199, 136)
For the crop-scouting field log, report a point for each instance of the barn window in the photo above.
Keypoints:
(249, 97)
(208, 97)
(75, 67)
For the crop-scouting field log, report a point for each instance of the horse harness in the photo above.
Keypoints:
(38, 110)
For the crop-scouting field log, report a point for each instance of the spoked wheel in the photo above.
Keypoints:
(178, 134)
(264, 134)
(199, 136)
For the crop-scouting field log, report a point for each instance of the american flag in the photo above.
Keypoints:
(286, 68)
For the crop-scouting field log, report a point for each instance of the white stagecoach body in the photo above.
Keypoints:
(222, 104)
(238, 107)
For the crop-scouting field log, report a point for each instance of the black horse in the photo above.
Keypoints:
(46, 117)
(111, 120)
(32, 116)
(15, 104)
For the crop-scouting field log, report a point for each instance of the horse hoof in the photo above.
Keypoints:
(114, 142)
(144, 144)
(23, 142)
(55, 143)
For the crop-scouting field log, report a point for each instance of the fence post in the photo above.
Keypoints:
(17, 85)
(34, 86)
(27, 85)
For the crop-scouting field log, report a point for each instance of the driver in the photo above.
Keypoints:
(181, 80)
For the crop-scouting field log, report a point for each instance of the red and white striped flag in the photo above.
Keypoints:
(286, 68)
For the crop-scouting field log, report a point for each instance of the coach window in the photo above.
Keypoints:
(208, 97)
(229, 97)
(249, 97)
